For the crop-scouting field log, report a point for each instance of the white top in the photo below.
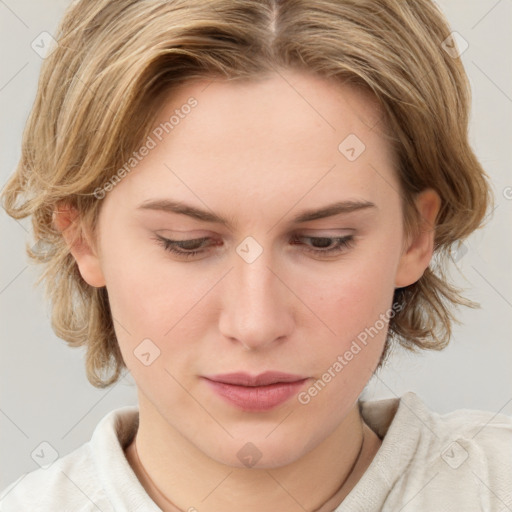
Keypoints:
(461, 461)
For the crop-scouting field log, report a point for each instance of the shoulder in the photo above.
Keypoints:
(486, 433)
(427, 461)
(78, 480)
(486, 429)
(464, 457)
(67, 484)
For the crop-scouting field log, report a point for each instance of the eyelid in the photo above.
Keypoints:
(325, 233)
(342, 244)
(303, 233)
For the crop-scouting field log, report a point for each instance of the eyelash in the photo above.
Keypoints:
(344, 243)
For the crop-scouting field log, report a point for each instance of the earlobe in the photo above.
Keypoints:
(418, 253)
(66, 220)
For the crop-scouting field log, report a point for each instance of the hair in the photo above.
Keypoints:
(100, 90)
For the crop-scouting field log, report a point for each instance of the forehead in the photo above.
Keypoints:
(277, 111)
(285, 135)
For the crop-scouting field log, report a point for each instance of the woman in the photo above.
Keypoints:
(240, 203)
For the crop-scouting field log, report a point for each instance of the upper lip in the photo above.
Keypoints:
(263, 379)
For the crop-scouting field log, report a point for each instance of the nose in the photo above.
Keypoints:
(257, 309)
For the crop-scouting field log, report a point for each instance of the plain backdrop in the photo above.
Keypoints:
(45, 396)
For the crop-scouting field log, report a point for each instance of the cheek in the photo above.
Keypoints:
(354, 302)
(147, 295)
(154, 298)
(357, 308)
(364, 294)
(149, 309)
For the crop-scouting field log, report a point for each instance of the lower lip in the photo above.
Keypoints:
(256, 398)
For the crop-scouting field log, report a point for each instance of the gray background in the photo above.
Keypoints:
(45, 395)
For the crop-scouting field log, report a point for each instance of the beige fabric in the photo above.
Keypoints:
(427, 462)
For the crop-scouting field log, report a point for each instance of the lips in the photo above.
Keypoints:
(263, 379)
(256, 393)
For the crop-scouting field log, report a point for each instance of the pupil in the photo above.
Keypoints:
(322, 242)
(190, 244)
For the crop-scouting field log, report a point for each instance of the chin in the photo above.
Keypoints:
(260, 453)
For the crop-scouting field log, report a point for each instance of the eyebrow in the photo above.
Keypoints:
(170, 206)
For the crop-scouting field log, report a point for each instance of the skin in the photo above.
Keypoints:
(256, 153)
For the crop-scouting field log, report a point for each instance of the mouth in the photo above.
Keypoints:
(256, 393)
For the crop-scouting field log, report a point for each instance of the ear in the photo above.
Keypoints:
(420, 247)
(66, 220)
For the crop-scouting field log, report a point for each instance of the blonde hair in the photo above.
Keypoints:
(99, 93)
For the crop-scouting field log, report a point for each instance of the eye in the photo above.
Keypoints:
(326, 245)
(318, 245)
(185, 248)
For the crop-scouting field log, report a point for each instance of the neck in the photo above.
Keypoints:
(177, 476)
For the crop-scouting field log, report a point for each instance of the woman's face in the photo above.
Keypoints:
(274, 286)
